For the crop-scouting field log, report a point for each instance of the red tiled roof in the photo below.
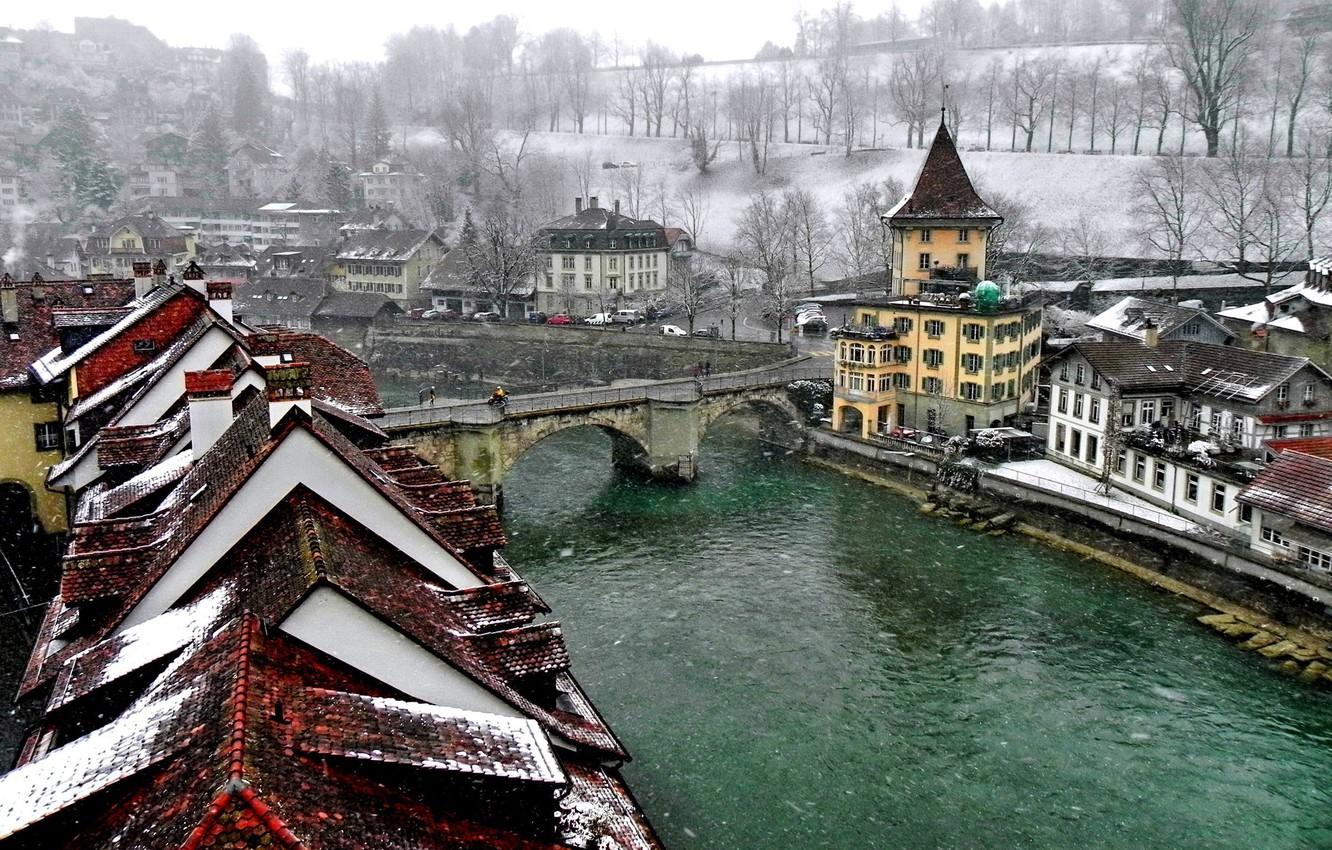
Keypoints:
(337, 376)
(1316, 446)
(35, 331)
(943, 190)
(1295, 485)
(1304, 416)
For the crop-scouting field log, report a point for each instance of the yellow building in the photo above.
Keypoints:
(391, 262)
(31, 436)
(940, 230)
(939, 362)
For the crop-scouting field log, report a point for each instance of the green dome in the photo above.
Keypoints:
(988, 295)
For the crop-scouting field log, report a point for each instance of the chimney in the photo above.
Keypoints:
(194, 277)
(578, 205)
(159, 273)
(288, 387)
(209, 395)
(219, 298)
(617, 206)
(593, 203)
(1151, 334)
(8, 300)
(143, 281)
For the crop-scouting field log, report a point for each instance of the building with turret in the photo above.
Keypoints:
(941, 228)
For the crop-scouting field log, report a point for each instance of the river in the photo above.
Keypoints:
(799, 659)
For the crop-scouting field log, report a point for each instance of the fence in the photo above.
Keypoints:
(1082, 494)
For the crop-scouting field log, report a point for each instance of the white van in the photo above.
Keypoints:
(627, 317)
(598, 319)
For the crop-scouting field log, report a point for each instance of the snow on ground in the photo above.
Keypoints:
(1055, 477)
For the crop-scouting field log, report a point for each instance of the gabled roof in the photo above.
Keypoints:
(1297, 486)
(1129, 317)
(248, 738)
(943, 190)
(291, 298)
(1222, 371)
(602, 219)
(336, 375)
(1316, 446)
(355, 305)
(35, 331)
(148, 226)
(384, 245)
(56, 363)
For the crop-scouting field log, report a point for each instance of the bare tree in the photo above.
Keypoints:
(1169, 208)
(914, 84)
(702, 154)
(764, 239)
(694, 203)
(692, 290)
(499, 255)
(655, 81)
(1276, 235)
(1233, 186)
(1214, 39)
(1084, 247)
(810, 236)
(1303, 64)
(733, 275)
(1311, 180)
(505, 162)
(1118, 111)
(859, 232)
(1031, 79)
(296, 63)
(993, 76)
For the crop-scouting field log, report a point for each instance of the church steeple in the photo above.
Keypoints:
(943, 189)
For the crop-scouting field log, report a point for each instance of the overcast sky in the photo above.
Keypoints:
(718, 29)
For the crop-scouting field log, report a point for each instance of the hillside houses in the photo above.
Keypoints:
(388, 262)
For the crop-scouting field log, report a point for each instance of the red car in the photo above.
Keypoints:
(560, 319)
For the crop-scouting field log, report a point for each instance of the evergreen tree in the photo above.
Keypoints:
(208, 154)
(337, 186)
(294, 188)
(84, 175)
(377, 130)
(247, 105)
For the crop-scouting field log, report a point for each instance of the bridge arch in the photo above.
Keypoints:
(775, 408)
(628, 437)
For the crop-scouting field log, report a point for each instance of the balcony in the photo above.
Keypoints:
(876, 333)
(963, 274)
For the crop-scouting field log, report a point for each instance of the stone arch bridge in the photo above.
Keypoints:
(654, 427)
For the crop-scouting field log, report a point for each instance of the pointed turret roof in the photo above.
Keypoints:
(943, 190)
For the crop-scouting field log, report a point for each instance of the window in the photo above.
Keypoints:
(856, 353)
(1314, 559)
(1307, 429)
(1246, 514)
(886, 382)
(902, 325)
(925, 235)
(972, 362)
(971, 392)
(934, 328)
(933, 386)
(902, 353)
(901, 380)
(567, 281)
(1167, 409)
(933, 357)
(1075, 443)
(1191, 488)
(996, 391)
(1139, 468)
(1148, 414)
(1218, 497)
(614, 262)
(1237, 426)
(1283, 393)
(1121, 458)
(963, 260)
(567, 263)
(587, 281)
(1216, 422)
(587, 264)
(1080, 376)
(924, 262)
(1077, 405)
(1094, 411)
(1063, 400)
(1309, 394)
(550, 262)
(550, 281)
(1059, 438)
(1271, 535)
(1096, 380)
(47, 435)
(1280, 432)
(963, 235)
(1093, 447)
(974, 332)
(1158, 475)
(1193, 328)
(1126, 412)
(1063, 372)
(144, 346)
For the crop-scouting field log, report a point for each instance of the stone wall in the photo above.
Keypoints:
(533, 357)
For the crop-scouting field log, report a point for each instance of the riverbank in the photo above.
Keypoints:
(1245, 617)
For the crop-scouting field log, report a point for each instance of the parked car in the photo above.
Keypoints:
(812, 322)
(714, 333)
(627, 317)
(673, 330)
(598, 319)
(656, 314)
(445, 315)
(537, 318)
(418, 312)
(560, 319)
(487, 316)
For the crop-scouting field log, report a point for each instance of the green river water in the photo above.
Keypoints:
(798, 659)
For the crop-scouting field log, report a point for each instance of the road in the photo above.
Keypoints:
(751, 327)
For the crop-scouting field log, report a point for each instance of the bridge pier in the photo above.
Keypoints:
(478, 457)
(673, 433)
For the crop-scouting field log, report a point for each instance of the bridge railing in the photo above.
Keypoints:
(680, 389)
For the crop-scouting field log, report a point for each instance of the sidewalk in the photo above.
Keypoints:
(1056, 478)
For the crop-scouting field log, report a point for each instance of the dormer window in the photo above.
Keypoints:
(144, 346)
